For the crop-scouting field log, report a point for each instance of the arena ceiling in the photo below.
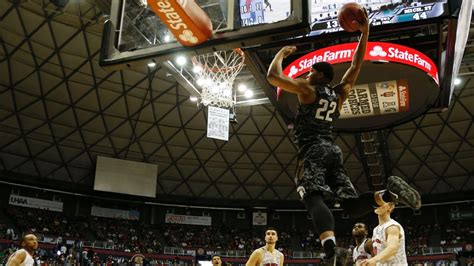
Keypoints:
(59, 110)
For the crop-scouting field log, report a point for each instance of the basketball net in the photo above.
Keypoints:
(215, 74)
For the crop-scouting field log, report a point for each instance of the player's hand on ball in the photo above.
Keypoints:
(287, 50)
(363, 25)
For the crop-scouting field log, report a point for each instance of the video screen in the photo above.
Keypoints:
(381, 12)
(324, 12)
(254, 12)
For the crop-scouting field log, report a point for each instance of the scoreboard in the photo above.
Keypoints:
(382, 12)
(323, 13)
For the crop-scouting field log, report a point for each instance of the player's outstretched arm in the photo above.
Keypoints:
(393, 243)
(350, 77)
(254, 259)
(276, 77)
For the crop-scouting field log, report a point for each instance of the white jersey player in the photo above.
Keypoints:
(267, 255)
(388, 240)
(363, 248)
(24, 256)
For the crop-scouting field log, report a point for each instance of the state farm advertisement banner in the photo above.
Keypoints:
(185, 19)
(376, 51)
(35, 203)
(188, 219)
(377, 99)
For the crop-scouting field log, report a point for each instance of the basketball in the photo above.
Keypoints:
(348, 13)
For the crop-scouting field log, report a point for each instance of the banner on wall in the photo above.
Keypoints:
(378, 98)
(259, 218)
(461, 215)
(35, 203)
(376, 51)
(115, 213)
(188, 219)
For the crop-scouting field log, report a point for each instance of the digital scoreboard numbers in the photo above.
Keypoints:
(382, 12)
(420, 12)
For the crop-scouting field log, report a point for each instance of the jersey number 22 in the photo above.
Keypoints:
(325, 110)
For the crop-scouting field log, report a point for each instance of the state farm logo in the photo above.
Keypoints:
(330, 55)
(188, 36)
(293, 70)
(173, 18)
(378, 51)
(403, 55)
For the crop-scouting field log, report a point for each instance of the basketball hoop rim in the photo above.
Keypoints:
(221, 69)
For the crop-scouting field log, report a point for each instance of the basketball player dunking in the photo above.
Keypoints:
(388, 240)
(320, 172)
(363, 248)
(267, 255)
(24, 256)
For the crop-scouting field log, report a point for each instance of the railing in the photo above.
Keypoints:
(179, 251)
(54, 239)
(436, 250)
(307, 255)
(192, 252)
(231, 253)
(98, 244)
(425, 252)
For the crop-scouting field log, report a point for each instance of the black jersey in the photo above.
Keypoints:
(315, 121)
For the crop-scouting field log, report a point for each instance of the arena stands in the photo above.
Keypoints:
(73, 239)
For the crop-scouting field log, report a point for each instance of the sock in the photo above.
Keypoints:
(329, 244)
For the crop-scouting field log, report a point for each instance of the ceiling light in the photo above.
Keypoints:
(248, 93)
(208, 82)
(181, 60)
(193, 98)
(200, 81)
(457, 81)
(151, 64)
(197, 69)
(242, 88)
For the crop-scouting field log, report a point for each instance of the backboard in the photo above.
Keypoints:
(134, 34)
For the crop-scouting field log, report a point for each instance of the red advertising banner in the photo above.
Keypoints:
(376, 51)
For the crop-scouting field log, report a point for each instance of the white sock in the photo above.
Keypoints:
(333, 238)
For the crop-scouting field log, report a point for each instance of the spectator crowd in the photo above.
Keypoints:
(64, 234)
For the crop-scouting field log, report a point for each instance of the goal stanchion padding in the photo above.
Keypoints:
(185, 19)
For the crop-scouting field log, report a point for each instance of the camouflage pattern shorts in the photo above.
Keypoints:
(320, 169)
